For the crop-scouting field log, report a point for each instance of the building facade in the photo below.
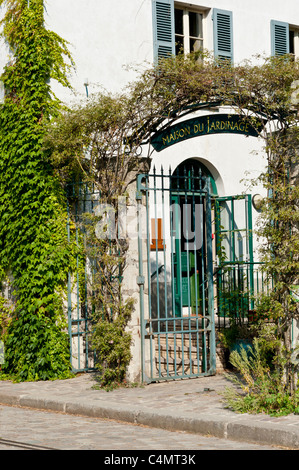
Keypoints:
(195, 190)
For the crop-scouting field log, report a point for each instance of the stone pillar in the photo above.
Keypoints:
(132, 284)
(130, 288)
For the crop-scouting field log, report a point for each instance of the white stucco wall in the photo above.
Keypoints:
(105, 37)
(217, 152)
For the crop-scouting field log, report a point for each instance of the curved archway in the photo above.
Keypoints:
(193, 168)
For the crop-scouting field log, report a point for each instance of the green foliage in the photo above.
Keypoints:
(101, 141)
(33, 238)
(259, 389)
(112, 344)
(99, 129)
(266, 91)
(111, 313)
(229, 336)
(37, 348)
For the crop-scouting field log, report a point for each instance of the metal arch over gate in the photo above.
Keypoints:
(176, 275)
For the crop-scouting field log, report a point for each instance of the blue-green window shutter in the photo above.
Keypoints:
(280, 39)
(163, 24)
(223, 34)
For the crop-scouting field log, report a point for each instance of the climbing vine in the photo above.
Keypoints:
(34, 248)
(102, 139)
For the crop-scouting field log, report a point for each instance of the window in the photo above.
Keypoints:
(178, 29)
(284, 38)
(188, 31)
(294, 41)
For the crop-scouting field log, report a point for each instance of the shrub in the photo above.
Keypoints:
(258, 388)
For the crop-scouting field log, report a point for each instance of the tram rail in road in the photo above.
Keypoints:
(23, 445)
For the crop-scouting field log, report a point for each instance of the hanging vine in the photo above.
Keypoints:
(33, 241)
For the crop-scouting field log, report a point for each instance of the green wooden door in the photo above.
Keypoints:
(188, 259)
(188, 201)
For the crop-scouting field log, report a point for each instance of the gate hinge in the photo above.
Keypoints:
(138, 195)
(140, 280)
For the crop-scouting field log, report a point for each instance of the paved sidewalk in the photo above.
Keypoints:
(192, 405)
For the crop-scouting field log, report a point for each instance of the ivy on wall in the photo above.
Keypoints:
(34, 248)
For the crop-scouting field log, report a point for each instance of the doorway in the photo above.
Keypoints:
(188, 225)
(175, 212)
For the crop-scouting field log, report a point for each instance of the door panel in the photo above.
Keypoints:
(189, 255)
(234, 250)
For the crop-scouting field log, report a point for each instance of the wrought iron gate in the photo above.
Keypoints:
(176, 257)
(239, 279)
(176, 275)
(80, 200)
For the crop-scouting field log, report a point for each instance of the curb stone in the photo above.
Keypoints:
(164, 406)
(204, 425)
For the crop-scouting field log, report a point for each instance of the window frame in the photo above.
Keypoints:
(186, 27)
(295, 45)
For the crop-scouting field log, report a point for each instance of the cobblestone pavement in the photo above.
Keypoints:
(194, 406)
(65, 432)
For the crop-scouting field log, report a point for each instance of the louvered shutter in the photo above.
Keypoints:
(163, 23)
(280, 39)
(223, 34)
